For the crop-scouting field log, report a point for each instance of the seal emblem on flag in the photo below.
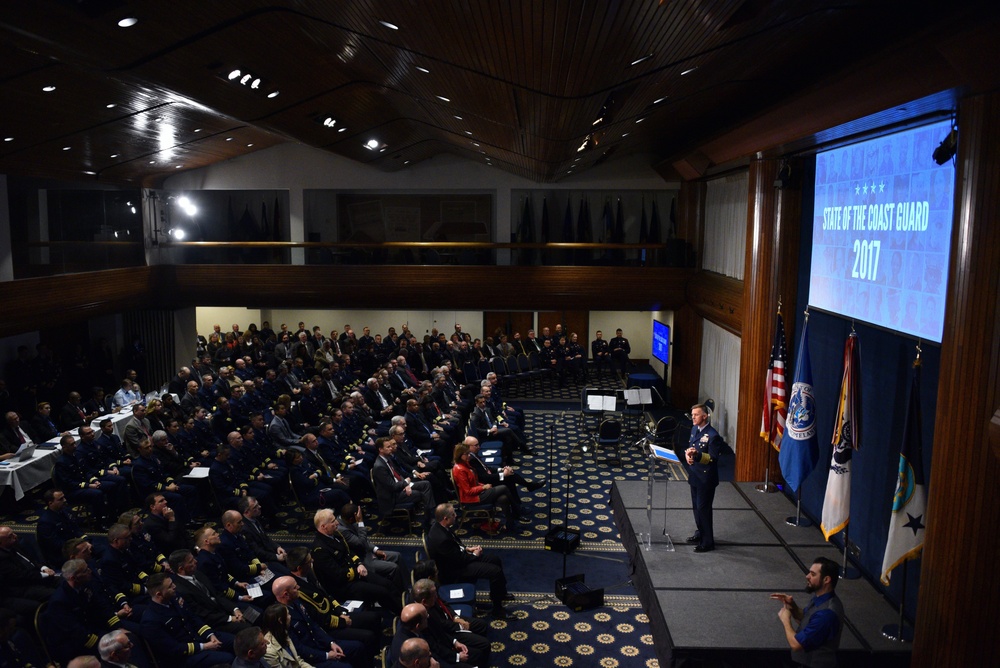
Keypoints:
(801, 421)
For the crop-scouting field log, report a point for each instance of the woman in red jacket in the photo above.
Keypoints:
(471, 491)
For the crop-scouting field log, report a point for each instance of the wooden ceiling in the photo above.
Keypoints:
(521, 84)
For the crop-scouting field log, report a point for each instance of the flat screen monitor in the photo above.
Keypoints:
(661, 342)
(882, 231)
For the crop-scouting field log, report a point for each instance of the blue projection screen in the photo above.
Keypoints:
(661, 342)
(882, 232)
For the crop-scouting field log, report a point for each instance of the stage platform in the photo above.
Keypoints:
(713, 609)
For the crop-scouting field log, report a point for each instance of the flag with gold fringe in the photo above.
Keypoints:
(909, 504)
(772, 422)
(846, 439)
(799, 450)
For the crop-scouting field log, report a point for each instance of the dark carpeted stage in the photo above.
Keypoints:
(713, 609)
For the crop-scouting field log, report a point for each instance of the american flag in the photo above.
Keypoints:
(772, 424)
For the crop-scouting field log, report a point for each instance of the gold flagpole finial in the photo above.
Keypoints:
(916, 362)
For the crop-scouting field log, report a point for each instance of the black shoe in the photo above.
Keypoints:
(508, 597)
(534, 486)
(528, 451)
(694, 539)
(703, 548)
(524, 519)
(499, 612)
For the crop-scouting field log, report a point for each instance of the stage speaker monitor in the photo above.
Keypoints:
(577, 596)
(562, 539)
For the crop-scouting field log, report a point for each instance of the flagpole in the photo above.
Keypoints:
(768, 487)
(798, 520)
(900, 632)
(848, 572)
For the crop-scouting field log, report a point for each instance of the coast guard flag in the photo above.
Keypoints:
(772, 422)
(846, 438)
(909, 504)
(799, 450)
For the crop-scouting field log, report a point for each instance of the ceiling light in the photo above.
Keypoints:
(114, 155)
(48, 89)
(390, 26)
(90, 173)
(272, 95)
(578, 159)
(625, 135)
(178, 166)
(249, 145)
(422, 69)
(128, 22)
(640, 120)
(8, 139)
(245, 79)
(132, 209)
(382, 150)
(639, 60)
(235, 74)
(152, 162)
(329, 122)
(475, 143)
(256, 84)
(110, 106)
(371, 144)
(688, 71)
(661, 99)
(66, 148)
(468, 132)
(229, 138)
(197, 129)
(177, 233)
(443, 98)
(342, 129)
(459, 117)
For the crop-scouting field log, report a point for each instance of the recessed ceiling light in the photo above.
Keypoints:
(110, 106)
(66, 148)
(244, 79)
(90, 173)
(688, 71)
(639, 60)
(235, 74)
(640, 120)
(342, 129)
(390, 26)
(371, 144)
(197, 129)
(48, 89)
(114, 155)
(422, 69)
(8, 139)
(272, 95)
(475, 143)
(661, 99)
(178, 166)
(128, 22)
(459, 117)
(256, 84)
(382, 150)
(624, 135)
(229, 138)
(442, 98)
(468, 132)
(406, 162)
(152, 162)
(249, 145)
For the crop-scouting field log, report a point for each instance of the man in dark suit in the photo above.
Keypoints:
(447, 630)
(264, 547)
(486, 429)
(14, 435)
(420, 467)
(392, 488)
(72, 414)
(505, 475)
(202, 598)
(24, 583)
(176, 635)
(460, 563)
(702, 456)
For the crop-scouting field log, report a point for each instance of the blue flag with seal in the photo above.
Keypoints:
(799, 450)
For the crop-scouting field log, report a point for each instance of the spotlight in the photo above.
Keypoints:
(177, 233)
(234, 74)
(245, 79)
(948, 147)
(371, 144)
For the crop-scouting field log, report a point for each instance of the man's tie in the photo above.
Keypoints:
(392, 468)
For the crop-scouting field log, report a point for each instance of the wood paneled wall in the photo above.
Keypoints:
(37, 303)
(773, 220)
(717, 298)
(959, 573)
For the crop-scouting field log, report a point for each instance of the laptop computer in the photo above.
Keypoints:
(25, 453)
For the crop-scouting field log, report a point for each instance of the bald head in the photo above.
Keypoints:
(413, 616)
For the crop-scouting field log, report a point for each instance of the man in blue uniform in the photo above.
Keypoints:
(702, 456)
(820, 623)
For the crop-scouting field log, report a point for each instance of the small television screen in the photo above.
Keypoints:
(882, 231)
(661, 341)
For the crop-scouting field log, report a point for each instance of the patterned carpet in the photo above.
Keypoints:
(542, 631)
